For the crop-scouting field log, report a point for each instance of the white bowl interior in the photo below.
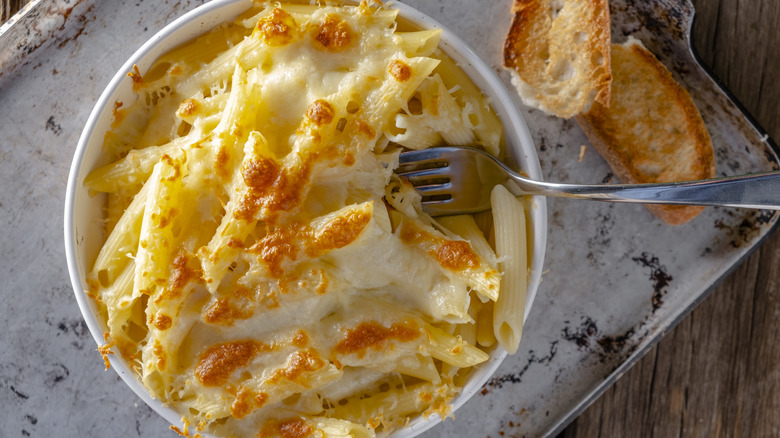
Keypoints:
(83, 214)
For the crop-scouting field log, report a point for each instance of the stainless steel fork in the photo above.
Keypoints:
(456, 180)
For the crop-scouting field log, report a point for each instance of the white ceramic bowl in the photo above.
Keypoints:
(83, 214)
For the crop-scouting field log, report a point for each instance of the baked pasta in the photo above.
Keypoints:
(264, 271)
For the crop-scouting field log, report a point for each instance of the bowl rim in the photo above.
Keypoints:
(451, 44)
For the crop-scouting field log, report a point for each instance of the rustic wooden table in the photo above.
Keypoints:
(718, 372)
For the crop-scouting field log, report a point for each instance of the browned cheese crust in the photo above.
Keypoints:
(652, 131)
(559, 49)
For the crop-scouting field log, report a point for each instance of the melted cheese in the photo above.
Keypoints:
(288, 276)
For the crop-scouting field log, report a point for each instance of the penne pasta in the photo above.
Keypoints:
(354, 382)
(118, 296)
(134, 169)
(419, 43)
(390, 404)
(509, 224)
(466, 227)
(455, 257)
(332, 427)
(403, 76)
(123, 240)
(419, 366)
(264, 268)
(487, 127)
(453, 350)
(228, 241)
(157, 237)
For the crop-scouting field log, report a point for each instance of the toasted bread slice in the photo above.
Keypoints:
(652, 130)
(558, 54)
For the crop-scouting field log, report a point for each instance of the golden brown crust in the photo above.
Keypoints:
(652, 130)
(558, 53)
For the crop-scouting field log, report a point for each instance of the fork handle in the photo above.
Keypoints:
(760, 190)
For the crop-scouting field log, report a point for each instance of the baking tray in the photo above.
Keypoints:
(616, 279)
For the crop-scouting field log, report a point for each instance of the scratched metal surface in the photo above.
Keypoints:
(616, 278)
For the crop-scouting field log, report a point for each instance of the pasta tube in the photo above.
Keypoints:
(509, 224)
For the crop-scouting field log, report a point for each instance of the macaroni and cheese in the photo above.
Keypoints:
(264, 272)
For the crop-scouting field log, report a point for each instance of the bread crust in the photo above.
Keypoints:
(558, 52)
(652, 131)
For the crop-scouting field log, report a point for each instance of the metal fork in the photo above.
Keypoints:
(457, 180)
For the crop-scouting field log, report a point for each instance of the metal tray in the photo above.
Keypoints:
(616, 279)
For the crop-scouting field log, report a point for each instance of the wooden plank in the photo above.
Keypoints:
(9, 8)
(718, 372)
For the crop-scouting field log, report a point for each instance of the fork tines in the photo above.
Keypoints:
(428, 171)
